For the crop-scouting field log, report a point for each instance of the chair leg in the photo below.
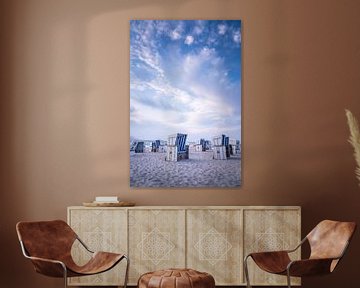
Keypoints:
(246, 272)
(288, 278)
(127, 271)
(65, 275)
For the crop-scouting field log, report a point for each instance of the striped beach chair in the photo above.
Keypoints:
(221, 147)
(177, 148)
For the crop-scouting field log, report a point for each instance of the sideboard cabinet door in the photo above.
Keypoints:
(101, 230)
(270, 230)
(156, 240)
(214, 244)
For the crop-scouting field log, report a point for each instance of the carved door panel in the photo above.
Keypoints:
(214, 244)
(101, 230)
(156, 240)
(270, 230)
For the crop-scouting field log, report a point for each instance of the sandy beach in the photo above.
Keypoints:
(200, 170)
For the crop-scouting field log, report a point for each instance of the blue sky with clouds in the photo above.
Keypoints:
(185, 77)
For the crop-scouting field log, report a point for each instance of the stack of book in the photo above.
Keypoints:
(106, 199)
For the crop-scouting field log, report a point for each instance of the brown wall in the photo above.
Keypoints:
(64, 112)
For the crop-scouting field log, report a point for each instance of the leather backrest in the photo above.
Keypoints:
(46, 239)
(329, 238)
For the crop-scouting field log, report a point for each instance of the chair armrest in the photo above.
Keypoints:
(83, 244)
(309, 267)
(280, 251)
(45, 260)
(298, 246)
(271, 252)
(268, 254)
(48, 267)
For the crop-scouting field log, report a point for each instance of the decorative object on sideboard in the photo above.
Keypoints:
(108, 201)
(109, 204)
(354, 140)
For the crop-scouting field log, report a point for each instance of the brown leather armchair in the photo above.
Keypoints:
(328, 242)
(48, 245)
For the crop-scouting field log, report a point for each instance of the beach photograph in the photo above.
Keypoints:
(185, 103)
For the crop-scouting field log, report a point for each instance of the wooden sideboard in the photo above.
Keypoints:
(213, 239)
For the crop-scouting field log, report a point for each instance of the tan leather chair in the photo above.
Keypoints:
(328, 242)
(48, 245)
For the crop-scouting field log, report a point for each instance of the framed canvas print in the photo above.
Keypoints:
(185, 103)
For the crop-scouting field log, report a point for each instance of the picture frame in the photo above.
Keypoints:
(185, 103)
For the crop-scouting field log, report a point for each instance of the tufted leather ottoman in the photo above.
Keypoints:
(176, 278)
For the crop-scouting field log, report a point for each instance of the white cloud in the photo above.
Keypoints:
(151, 59)
(198, 30)
(237, 36)
(162, 27)
(190, 65)
(189, 40)
(144, 48)
(207, 52)
(175, 35)
(194, 97)
(193, 63)
(138, 86)
(222, 29)
(201, 103)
